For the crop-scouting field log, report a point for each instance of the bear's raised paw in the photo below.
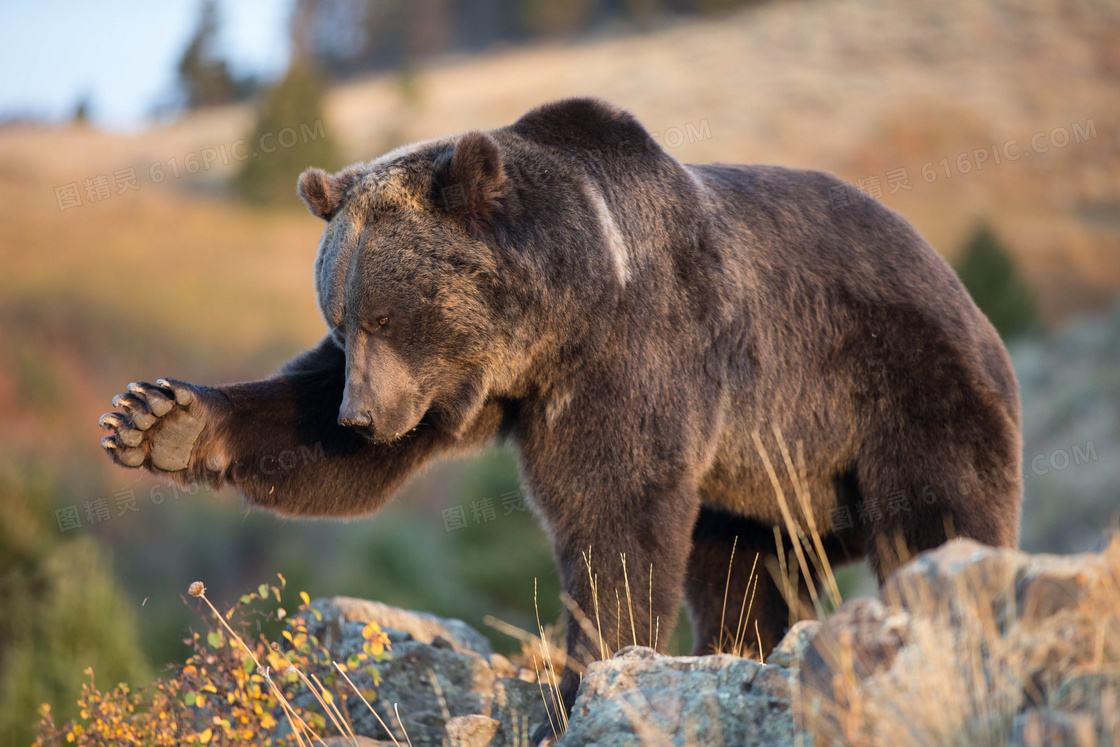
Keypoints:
(158, 428)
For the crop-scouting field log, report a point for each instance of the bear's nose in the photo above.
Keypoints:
(356, 419)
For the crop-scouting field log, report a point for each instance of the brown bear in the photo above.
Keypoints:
(626, 322)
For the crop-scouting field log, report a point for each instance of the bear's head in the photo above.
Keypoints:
(410, 284)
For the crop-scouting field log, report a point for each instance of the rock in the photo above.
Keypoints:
(773, 683)
(442, 678)
(428, 686)
(965, 644)
(470, 731)
(972, 644)
(641, 697)
(419, 626)
(862, 638)
(502, 666)
(519, 707)
(793, 645)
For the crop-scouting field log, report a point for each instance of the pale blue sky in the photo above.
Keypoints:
(122, 53)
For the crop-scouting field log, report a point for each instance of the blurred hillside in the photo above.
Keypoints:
(1070, 386)
(858, 87)
(128, 257)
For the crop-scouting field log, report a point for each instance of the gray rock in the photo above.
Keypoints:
(966, 644)
(420, 626)
(792, 647)
(640, 697)
(442, 678)
(518, 706)
(972, 645)
(427, 685)
(470, 731)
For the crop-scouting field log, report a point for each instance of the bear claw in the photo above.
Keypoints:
(183, 395)
(160, 402)
(133, 443)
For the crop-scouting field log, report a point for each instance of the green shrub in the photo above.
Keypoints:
(990, 275)
(290, 135)
(62, 611)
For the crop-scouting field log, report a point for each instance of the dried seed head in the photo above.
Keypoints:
(196, 589)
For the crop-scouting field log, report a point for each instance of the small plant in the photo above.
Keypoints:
(991, 277)
(237, 686)
(293, 105)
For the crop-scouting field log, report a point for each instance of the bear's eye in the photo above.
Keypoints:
(382, 321)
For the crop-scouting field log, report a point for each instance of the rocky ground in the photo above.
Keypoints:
(965, 645)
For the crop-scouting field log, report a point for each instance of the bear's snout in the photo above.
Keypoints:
(377, 419)
(360, 423)
(355, 418)
(378, 423)
(380, 399)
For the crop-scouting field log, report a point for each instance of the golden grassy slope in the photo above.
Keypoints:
(859, 87)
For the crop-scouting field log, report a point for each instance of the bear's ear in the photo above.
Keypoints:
(320, 191)
(471, 183)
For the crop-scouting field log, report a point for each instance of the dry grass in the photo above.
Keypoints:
(544, 652)
(969, 666)
(765, 80)
(831, 85)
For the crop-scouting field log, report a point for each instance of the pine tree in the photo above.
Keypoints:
(81, 111)
(289, 136)
(990, 275)
(203, 75)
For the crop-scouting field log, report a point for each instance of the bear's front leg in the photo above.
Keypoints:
(278, 440)
(622, 553)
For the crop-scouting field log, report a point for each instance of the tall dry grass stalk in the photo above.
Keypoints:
(808, 547)
(811, 561)
(960, 680)
(558, 717)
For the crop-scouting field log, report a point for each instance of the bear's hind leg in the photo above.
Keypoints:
(733, 611)
(915, 499)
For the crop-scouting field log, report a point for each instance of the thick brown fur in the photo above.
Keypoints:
(626, 322)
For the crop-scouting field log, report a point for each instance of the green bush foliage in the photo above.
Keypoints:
(63, 610)
(290, 135)
(989, 274)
